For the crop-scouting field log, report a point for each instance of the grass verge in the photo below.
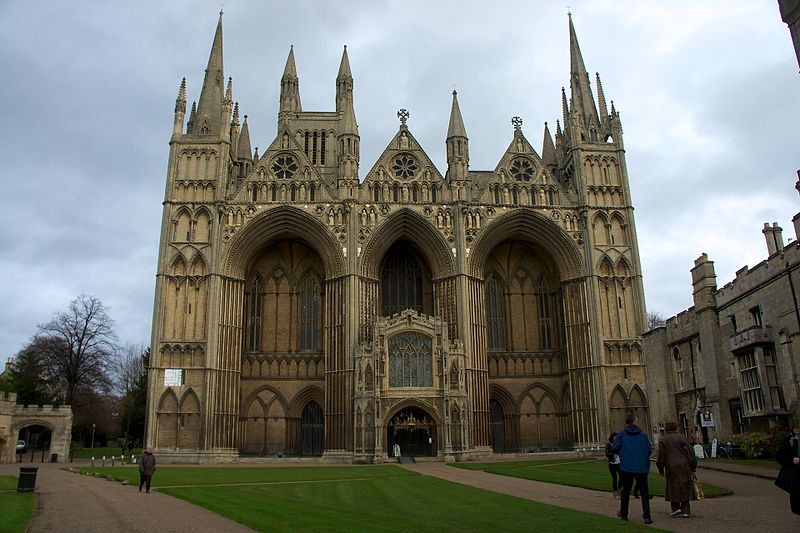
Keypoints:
(584, 473)
(16, 508)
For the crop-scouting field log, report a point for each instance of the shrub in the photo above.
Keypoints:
(775, 437)
(753, 445)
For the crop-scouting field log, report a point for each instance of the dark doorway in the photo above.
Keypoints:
(498, 427)
(312, 430)
(37, 443)
(414, 432)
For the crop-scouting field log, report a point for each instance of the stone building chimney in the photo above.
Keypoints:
(774, 237)
(704, 283)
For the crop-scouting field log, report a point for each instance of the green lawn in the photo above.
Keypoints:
(358, 498)
(585, 473)
(17, 507)
(98, 453)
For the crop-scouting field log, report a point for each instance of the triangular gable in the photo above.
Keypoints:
(520, 160)
(265, 169)
(391, 166)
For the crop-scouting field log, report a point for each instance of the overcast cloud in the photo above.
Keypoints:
(707, 92)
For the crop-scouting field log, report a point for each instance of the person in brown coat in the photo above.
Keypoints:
(677, 461)
(147, 466)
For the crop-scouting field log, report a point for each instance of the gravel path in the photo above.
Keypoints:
(70, 502)
(73, 503)
(755, 505)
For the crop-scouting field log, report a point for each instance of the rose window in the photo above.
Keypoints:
(284, 167)
(522, 170)
(404, 167)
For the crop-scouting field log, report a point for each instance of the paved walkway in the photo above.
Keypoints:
(70, 502)
(755, 505)
(73, 503)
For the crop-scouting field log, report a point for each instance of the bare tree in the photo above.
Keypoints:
(77, 345)
(130, 374)
(655, 320)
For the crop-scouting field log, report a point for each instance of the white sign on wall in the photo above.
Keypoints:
(173, 377)
(707, 419)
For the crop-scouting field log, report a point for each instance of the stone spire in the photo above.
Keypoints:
(180, 109)
(243, 145)
(580, 90)
(348, 140)
(549, 150)
(344, 84)
(208, 120)
(457, 144)
(601, 99)
(290, 89)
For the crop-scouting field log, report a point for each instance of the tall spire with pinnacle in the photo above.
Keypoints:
(243, 147)
(457, 143)
(180, 109)
(580, 91)
(208, 119)
(601, 99)
(348, 140)
(344, 84)
(290, 88)
(549, 150)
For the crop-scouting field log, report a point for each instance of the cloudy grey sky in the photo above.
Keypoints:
(707, 91)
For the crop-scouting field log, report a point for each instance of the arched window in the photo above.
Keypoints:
(402, 282)
(253, 341)
(410, 361)
(312, 193)
(434, 190)
(497, 194)
(309, 315)
(395, 193)
(676, 354)
(376, 193)
(274, 193)
(495, 315)
(293, 192)
(414, 192)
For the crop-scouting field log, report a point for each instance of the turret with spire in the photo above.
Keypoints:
(209, 118)
(347, 138)
(180, 109)
(290, 90)
(457, 144)
(582, 102)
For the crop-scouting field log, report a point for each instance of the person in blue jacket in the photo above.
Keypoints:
(633, 448)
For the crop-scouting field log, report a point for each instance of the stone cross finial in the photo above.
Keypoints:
(403, 115)
(517, 122)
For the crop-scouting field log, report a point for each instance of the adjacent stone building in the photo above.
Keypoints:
(309, 305)
(734, 355)
(54, 425)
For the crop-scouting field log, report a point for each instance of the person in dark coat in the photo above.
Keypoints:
(789, 477)
(147, 467)
(613, 464)
(676, 461)
(634, 449)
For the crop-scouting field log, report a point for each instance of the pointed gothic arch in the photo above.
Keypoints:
(408, 225)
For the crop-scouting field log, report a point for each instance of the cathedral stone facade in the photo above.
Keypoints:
(309, 305)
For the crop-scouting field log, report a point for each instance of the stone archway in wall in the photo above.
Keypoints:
(284, 276)
(414, 431)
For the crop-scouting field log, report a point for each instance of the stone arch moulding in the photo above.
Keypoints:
(409, 225)
(295, 407)
(533, 227)
(283, 222)
(28, 422)
(412, 402)
(255, 396)
(528, 392)
(507, 402)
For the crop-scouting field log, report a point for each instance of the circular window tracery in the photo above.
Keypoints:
(521, 170)
(405, 167)
(284, 167)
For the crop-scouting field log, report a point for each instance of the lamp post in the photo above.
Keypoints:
(92, 435)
